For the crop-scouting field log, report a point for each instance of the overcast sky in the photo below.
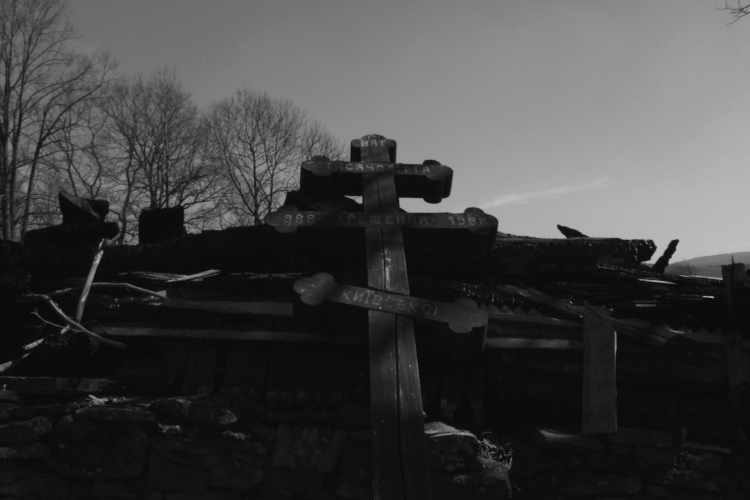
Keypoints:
(625, 119)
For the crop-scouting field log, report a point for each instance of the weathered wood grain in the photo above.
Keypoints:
(599, 374)
(473, 220)
(388, 481)
(411, 421)
(461, 316)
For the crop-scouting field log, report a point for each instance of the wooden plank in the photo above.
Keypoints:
(599, 374)
(411, 422)
(231, 307)
(429, 181)
(524, 343)
(473, 220)
(496, 318)
(384, 392)
(218, 334)
(326, 168)
(461, 317)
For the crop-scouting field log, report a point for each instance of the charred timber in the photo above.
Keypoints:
(71, 234)
(522, 256)
(663, 261)
(569, 232)
(262, 249)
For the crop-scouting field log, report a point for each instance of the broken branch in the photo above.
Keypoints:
(77, 326)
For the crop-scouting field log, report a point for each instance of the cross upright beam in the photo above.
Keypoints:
(400, 469)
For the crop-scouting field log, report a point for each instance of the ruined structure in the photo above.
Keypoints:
(295, 359)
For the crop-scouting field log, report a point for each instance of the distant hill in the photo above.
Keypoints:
(709, 266)
(718, 260)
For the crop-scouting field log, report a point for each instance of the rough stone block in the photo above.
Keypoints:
(278, 482)
(26, 431)
(490, 473)
(264, 432)
(449, 448)
(356, 462)
(97, 449)
(10, 476)
(23, 451)
(641, 436)
(249, 459)
(327, 461)
(690, 480)
(597, 484)
(9, 396)
(180, 446)
(36, 485)
(211, 495)
(282, 482)
(355, 416)
(300, 447)
(353, 490)
(255, 449)
(307, 482)
(171, 476)
(703, 462)
(120, 489)
(659, 492)
(647, 456)
(212, 409)
(116, 413)
(620, 449)
(228, 472)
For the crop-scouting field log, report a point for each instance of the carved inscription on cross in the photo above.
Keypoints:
(400, 469)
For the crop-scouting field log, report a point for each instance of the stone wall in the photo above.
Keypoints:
(180, 448)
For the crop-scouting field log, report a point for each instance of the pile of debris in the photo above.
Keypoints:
(232, 385)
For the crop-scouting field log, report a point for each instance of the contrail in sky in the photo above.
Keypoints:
(547, 194)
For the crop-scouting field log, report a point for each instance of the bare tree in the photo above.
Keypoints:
(157, 142)
(737, 11)
(42, 77)
(260, 143)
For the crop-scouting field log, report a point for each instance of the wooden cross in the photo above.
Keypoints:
(400, 469)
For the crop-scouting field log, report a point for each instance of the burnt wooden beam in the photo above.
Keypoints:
(71, 234)
(262, 249)
(662, 262)
(569, 232)
(599, 374)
